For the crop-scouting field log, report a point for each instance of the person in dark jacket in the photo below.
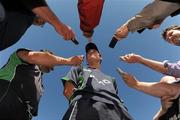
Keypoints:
(16, 16)
(21, 81)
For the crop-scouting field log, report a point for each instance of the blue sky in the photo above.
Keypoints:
(53, 104)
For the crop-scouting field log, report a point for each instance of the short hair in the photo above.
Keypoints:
(173, 27)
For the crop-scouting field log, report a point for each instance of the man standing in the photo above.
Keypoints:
(92, 94)
(21, 82)
(19, 16)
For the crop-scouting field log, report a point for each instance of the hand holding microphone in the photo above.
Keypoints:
(75, 41)
(120, 71)
(113, 42)
(120, 33)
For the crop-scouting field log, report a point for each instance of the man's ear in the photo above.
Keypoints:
(100, 58)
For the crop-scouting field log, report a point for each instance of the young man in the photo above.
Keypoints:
(150, 17)
(92, 94)
(18, 15)
(168, 89)
(172, 35)
(21, 82)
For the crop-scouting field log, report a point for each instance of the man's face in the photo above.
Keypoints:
(173, 37)
(93, 56)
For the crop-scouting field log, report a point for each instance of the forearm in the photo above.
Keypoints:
(68, 95)
(137, 23)
(143, 19)
(152, 13)
(155, 89)
(68, 90)
(159, 114)
(46, 59)
(47, 14)
(154, 65)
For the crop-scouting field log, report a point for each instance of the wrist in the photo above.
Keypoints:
(136, 85)
(68, 61)
(141, 60)
(64, 61)
(164, 110)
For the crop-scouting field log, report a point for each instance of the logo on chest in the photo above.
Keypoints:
(102, 82)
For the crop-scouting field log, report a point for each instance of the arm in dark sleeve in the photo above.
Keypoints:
(175, 1)
(152, 13)
(31, 4)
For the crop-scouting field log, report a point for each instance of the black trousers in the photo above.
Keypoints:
(11, 108)
(86, 109)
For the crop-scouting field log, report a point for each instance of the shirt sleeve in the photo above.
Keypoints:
(115, 85)
(22, 49)
(152, 13)
(31, 4)
(72, 76)
(173, 69)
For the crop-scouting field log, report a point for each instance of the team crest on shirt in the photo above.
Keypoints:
(103, 82)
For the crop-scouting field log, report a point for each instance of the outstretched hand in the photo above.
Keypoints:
(131, 58)
(130, 80)
(121, 32)
(76, 60)
(66, 32)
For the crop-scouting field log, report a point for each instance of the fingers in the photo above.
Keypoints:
(169, 98)
(126, 76)
(166, 102)
(68, 33)
(77, 60)
(65, 31)
(129, 58)
(165, 98)
(129, 80)
(121, 32)
(39, 21)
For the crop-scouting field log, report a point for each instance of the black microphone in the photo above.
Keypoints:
(75, 41)
(120, 71)
(113, 42)
(141, 30)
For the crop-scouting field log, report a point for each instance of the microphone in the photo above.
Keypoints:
(113, 42)
(141, 30)
(75, 41)
(120, 71)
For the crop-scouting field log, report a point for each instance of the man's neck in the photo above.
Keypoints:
(95, 66)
